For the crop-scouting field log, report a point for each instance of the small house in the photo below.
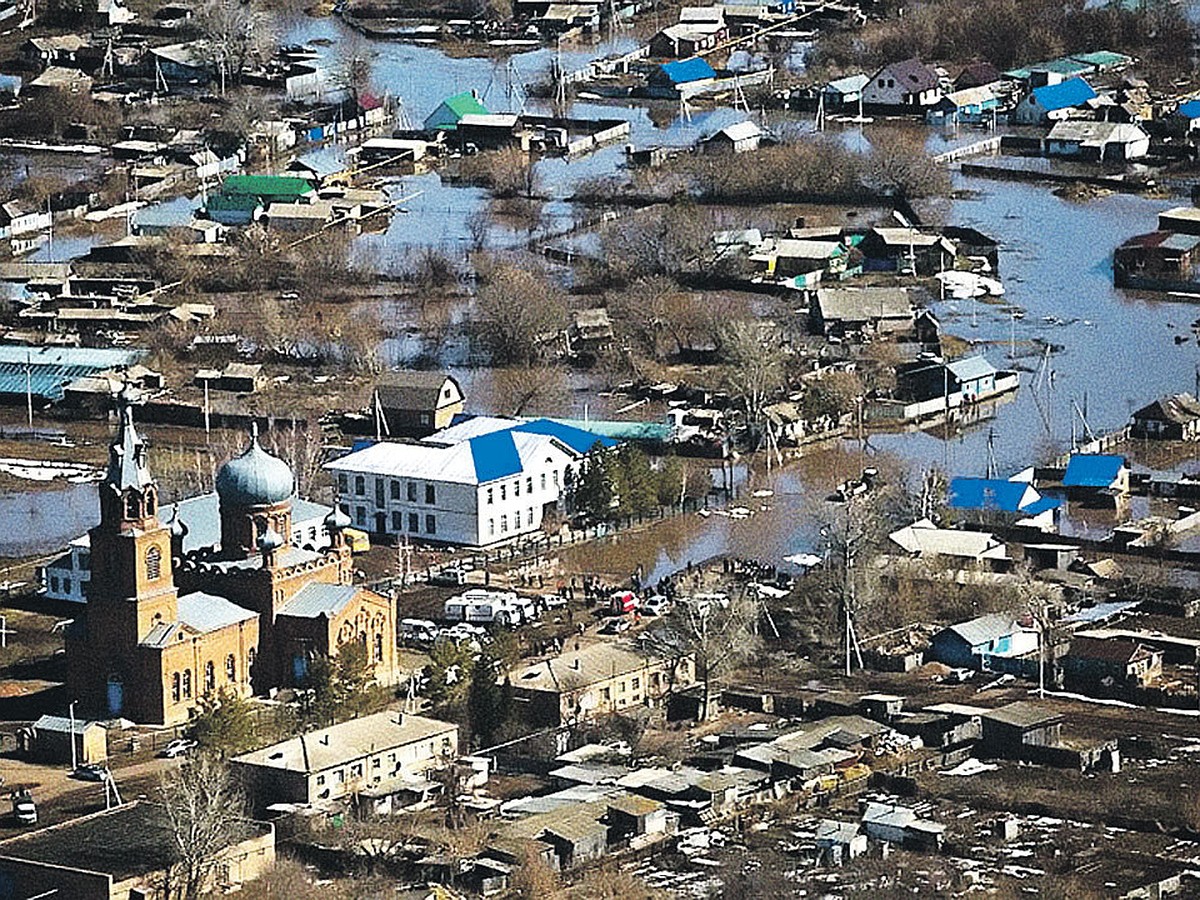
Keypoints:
(906, 250)
(1180, 219)
(674, 77)
(22, 217)
(1052, 102)
(977, 74)
(322, 169)
(1175, 417)
(487, 131)
(839, 842)
(415, 404)
(842, 93)
(1159, 260)
(268, 189)
(1114, 142)
(630, 815)
(999, 497)
(899, 825)
(1185, 120)
(1114, 662)
(686, 39)
(450, 111)
(978, 643)
(185, 63)
(924, 540)
(299, 217)
(1009, 729)
(1092, 474)
(560, 18)
(590, 330)
(742, 137)
(232, 210)
(968, 106)
(49, 740)
(969, 380)
(908, 83)
(238, 378)
(840, 311)
(53, 50)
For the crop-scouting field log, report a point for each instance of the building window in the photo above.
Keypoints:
(430, 494)
(356, 770)
(414, 523)
(395, 490)
(343, 484)
(517, 520)
(504, 524)
(230, 668)
(375, 763)
(360, 485)
(339, 776)
(637, 682)
(67, 586)
(85, 561)
(503, 492)
(320, 780)
(378, 648)
(210, 677)
(153, 563)
(54, 583)
(379, 489)
(529, 521)
(543, 481)
(517, 488)
(187, 684)
(175, 687)
(554, 475)
(491, 527)
(490, 492)
(397, 521)
(529, 485)
(250, 659)
(430, 525)
(621, 687)
(360, 516)
(606, 693)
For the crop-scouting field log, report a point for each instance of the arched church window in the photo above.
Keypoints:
(230, 668)
(187, 684)
(210, 676)
(150, 503)
(250, 656)
(175, 687)
(378, 647)
(153, 563)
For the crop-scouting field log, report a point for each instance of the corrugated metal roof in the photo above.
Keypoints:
(50, 369)
(1093, 470)
(494, 456)
(1066, 94)
(985, 629)
(61, 724)
(971, 369)
(208, 612)
(989, 493)
(682, 71)
(319, 599)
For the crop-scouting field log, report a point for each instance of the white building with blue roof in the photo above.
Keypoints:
(482, 481)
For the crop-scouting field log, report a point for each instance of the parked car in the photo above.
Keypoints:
(24, 809)
(615, 625)
(453, 577)
(177, 747)
(421, 632)
(554, 601)
(658, 605)
(91, 772)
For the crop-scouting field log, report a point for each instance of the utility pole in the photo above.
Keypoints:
(74, 752)
(29, 386)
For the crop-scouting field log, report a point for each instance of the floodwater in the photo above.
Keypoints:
(45, 520)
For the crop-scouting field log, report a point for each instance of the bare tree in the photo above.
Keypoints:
(714, 635)
(756, 371)
(518, 308)
(205, 813)
(520, 390)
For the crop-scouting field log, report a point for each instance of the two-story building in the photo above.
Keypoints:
(482, 482)
(388, 753)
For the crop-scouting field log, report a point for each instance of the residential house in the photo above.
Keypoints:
(185, 63)
(1003, 499)
(49, 740)
(1052, 102)
(237, 378)
(1180, 219)
(690, 36)
(839, 842)
(66, 79)
(1175, 417)
(977, 74)
(983, 643)
(672, 78)
(447, 114)
(1093, 662)
(299, 217)
(631, 817)
(19, 217)
(844, 93)
(909, 83)
(590, 331)
(122, 853)
(268, 189)
(924, 540)
(416, 404)
(1110, 142)
(67, 576)
(232, 210)
(53, 50)
(1184, 121)
(803, 262)
(1008, 730)
(742, 137)
(974, 245)
(560, 18)
(900, 825)
(906, 250)
(1159, 260)
(967, 106)
(322, 169)
(961, 380)
(487, 131)
(110, 13)
(1090, 475)
(1050, 72)
(596, 680)
(387, 753)
(476, 484)
(841, 311)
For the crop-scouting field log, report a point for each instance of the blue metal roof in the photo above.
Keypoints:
(1189, 110)
(986, 493)
(681, 71)
(1092, 470)
(52, 368)
(495, 455)
(577, 439)
(1072, 92)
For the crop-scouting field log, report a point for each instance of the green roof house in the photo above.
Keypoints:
(268, 188)
(451, 110)
(233, 209)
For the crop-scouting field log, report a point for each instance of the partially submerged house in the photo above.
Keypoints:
(986, 642)
(680, 77)
(1109, 142)
(966, 106)
(1175, 417)
(1158, 260)
(1092, 476)
(742, 137)
(1052, 102)
(924, 540)
(447, 114)
(909, 84)
(840, 311)
(1008, 500)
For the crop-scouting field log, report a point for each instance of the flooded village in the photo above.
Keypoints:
(522, 449)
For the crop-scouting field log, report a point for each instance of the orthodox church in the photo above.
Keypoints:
(163, 628)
